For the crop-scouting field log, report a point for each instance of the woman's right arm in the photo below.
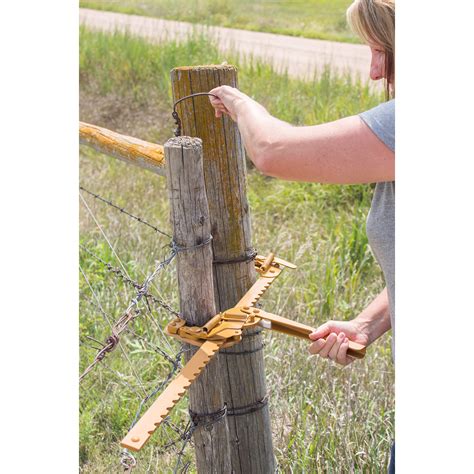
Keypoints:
(331, 339)
(345, 151)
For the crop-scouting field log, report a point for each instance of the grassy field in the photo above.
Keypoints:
(324, 418)
(323, 19)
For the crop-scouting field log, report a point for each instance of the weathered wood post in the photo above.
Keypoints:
(191, 225)
(225, 175)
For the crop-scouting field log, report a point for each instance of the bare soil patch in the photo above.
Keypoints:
(123, 114)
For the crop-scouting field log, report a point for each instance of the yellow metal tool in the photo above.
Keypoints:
(223, 330)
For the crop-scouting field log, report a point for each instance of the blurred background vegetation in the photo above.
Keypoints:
(323, 19)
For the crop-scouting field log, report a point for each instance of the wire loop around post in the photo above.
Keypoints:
(177, 248)
(175, 115)
(207, 419)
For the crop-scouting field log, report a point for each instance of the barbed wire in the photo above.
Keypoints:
(129, 314)
(122, 210)
(176, 365)
(126, 458)
(108, 319)
(123, 324)
(114, 252)
(129, 281)
(188, 433)
(139, 305)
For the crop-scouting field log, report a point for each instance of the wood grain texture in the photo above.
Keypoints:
(191, 227)
(129, 149)
(225, 175)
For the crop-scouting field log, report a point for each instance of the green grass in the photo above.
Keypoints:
(129, 67)
(324, 418)
(323, 19)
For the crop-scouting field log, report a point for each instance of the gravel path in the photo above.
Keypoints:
(302, 57)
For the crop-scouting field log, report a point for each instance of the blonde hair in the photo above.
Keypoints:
(374, 22)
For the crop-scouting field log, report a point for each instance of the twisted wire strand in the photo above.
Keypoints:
(129, 281)
(132, 312)
(106, 346)
(103, 234)
(128, 315)
(123, 211)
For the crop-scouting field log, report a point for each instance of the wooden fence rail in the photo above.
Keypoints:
(129, 149)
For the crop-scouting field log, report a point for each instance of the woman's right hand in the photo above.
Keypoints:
(331, 340)
(227, 101)
(230, 101)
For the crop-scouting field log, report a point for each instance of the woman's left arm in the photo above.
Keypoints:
(345, 151)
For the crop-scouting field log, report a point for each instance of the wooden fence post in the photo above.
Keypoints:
(225, 175)
(191, 227)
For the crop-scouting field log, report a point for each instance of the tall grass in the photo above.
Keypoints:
(324, 19)
(130, 67)
(324, 418)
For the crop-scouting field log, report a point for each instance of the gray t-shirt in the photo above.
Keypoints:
(381, 218)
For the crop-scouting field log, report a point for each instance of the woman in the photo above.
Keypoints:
(357, 149)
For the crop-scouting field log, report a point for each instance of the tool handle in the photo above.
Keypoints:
(355, 349)
(293, 328)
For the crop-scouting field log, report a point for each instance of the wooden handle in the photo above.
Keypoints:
(293, 328)
(356, 350)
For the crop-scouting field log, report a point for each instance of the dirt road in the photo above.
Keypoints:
(302, 57)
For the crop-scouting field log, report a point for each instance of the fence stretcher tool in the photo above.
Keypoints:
(223, 330)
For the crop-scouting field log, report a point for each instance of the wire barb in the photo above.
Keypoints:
(133, 283)
(128, 315)
(123, 211)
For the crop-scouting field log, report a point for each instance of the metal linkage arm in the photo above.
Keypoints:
(223, 330)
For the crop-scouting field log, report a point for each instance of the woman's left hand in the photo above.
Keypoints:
(331, 340)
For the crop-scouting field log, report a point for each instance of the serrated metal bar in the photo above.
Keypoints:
(152, 418)
(256, 292)
(225, 327)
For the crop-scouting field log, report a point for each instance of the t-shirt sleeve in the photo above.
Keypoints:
(381, 120)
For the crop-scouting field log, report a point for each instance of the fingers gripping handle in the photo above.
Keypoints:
(293, 328)
(355, 349)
